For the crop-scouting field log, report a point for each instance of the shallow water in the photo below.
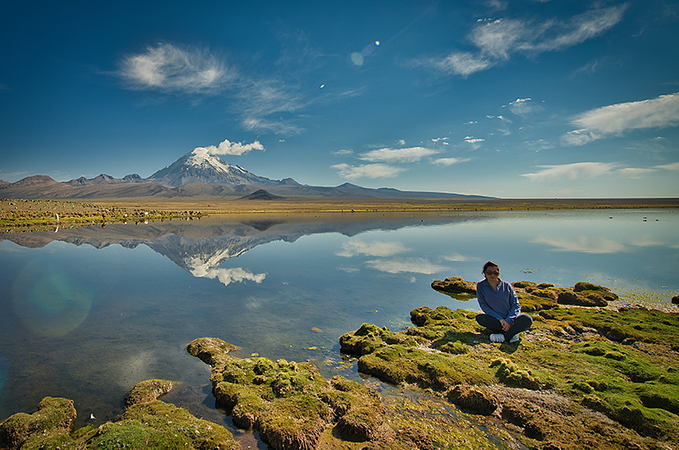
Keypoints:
(87, 313)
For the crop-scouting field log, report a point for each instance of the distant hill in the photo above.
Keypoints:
(198, 174)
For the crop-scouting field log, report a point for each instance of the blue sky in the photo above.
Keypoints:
(532, 98)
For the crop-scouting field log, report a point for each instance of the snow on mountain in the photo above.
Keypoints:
(199, 166)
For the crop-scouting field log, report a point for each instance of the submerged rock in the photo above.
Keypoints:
(147, 423)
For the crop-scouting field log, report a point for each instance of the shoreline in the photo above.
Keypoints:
(21, 215)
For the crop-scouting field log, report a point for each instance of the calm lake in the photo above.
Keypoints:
(87, 313)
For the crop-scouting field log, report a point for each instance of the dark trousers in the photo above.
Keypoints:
(522, 323)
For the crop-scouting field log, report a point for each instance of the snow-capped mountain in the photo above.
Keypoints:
(201, 167)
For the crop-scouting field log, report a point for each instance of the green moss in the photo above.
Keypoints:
(144, 425)
(621, 363)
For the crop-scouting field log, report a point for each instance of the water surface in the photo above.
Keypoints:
(88, 313)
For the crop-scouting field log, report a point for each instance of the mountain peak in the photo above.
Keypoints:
(200, 166)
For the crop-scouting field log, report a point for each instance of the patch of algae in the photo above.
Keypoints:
(146, 424)
(580, 378)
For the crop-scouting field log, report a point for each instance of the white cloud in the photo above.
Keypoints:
(450, 161)
(462, 63)
(343, 152)
(673, 167)
(540, 144)
(524, 106)
(497, 40)
(617, 119)
(392, 155)
(171, 68)
(456, 257)
(228, 148)
(474, 143)
(571, 171)
(367, 171)
(353, 248)
(633, 172)
(407, 265)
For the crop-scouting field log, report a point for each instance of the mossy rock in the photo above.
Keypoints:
(475, 399)
(51, 423)
(455, 285)
(146, 424)
(290, 404)
(623, 364)
(147, 391)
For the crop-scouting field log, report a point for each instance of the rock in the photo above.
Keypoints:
(52, 423)
(147, 423)
(148, 391)
(474, 399)
(290, 404)
(454, 285)
(579, 299)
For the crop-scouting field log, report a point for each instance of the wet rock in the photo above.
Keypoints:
(474, 399)
(147, 391)
(290, 404)
(52, 423)
(454, 285)
(146, 424)
(591, 298)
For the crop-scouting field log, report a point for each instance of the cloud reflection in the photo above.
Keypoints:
(354, 248)
(406, 265)
(581, 244)
(228, 276)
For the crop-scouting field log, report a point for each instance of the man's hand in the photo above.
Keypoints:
(505, 325)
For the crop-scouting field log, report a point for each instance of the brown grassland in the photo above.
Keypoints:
(20, 215)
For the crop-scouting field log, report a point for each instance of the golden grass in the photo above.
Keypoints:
(17, 215)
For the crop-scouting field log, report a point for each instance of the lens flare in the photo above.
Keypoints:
(48, 301)
(357, 58)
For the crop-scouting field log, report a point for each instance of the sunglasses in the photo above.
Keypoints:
(493, 272)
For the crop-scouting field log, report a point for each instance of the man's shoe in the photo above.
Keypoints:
(514, 338)
(497, 337)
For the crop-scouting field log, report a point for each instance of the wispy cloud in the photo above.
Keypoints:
(497, 40)
(343, 152)
(367, 171)
(394, 155)
(175, 69)
(635, 172)
(673, 167)
(620, 118)
(456, 257)
(183, 70)
(406, 265)
(353, 248)
(571, 171)
(450, 161)
(524, 106)
(261, 99)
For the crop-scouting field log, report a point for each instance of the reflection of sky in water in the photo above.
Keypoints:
(88, 323)
(49, 299)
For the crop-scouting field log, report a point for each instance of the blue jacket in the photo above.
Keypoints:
(501, 304)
